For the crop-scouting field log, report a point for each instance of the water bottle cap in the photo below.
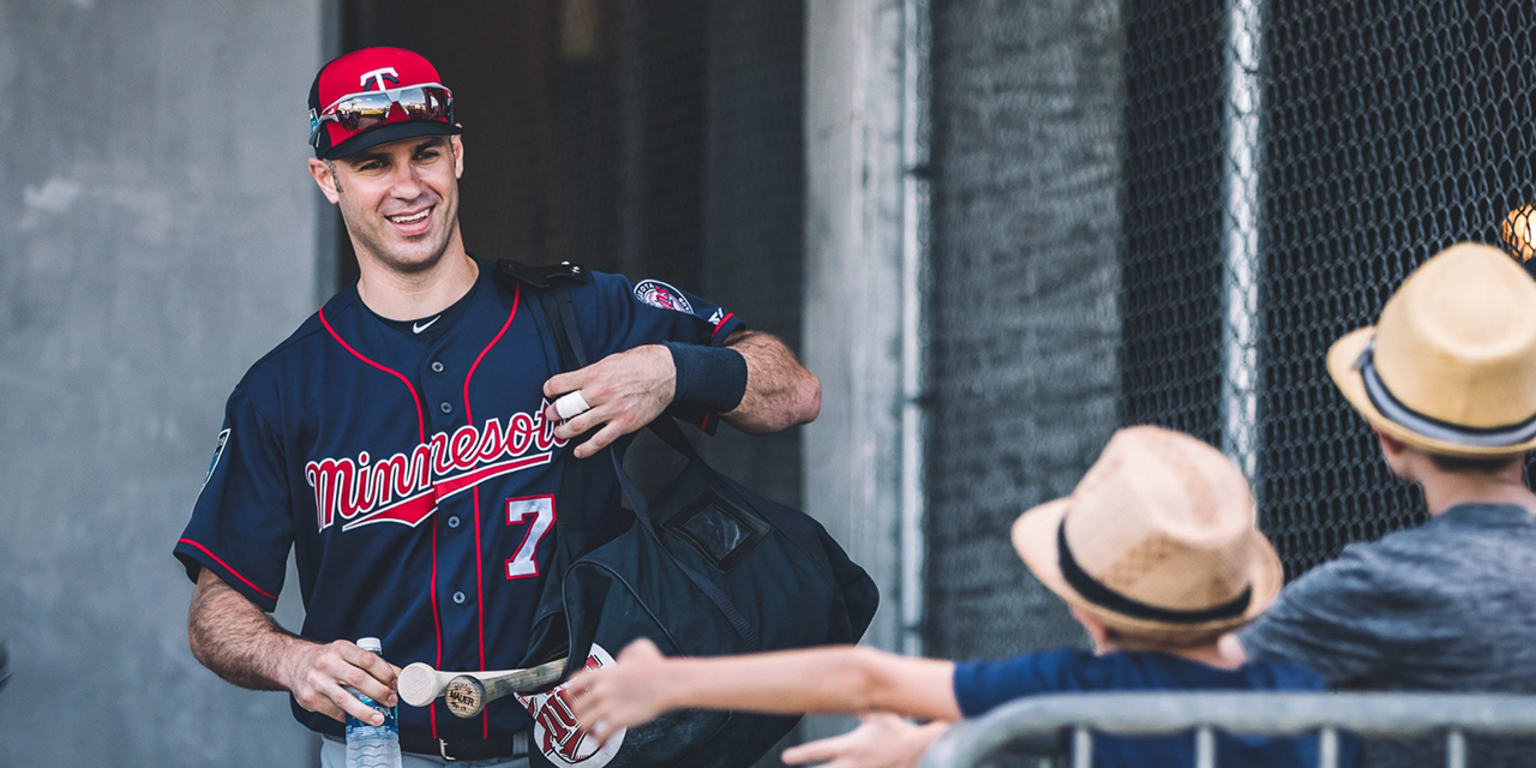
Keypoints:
(370, 644)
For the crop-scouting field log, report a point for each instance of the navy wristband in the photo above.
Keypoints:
(714, 377)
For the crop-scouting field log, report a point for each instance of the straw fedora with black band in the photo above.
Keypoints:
(1450, 367)
(1158, 540)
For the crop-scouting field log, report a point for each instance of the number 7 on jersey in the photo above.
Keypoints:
(538, 513)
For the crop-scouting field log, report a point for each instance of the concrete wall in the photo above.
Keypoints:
(160, 234)
(1025, 327)
(853, 283)
(853, 228)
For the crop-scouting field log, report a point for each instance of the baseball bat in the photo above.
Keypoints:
(467, 695)
(419, 683)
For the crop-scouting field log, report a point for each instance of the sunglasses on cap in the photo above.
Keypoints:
(361, 111)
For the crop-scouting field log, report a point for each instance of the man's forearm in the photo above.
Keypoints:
(235, 639)
(780, 391)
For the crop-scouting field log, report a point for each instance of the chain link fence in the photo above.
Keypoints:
(1164, 212)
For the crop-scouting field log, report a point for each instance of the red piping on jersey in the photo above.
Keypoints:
(517, 294)
(421, 423)
(722, 323)
(704, 422)
(220, 561)
(437, 624)
(421, 432)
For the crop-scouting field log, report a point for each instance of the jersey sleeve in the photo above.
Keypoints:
(650, 311)
(631, 314)
(241, 528)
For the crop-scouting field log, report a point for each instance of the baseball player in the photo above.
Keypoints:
(408, 441)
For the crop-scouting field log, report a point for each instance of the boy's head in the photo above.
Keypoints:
(1157, 544)
(1449, 370)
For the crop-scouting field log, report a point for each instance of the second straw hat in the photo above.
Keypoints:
(1450, 367)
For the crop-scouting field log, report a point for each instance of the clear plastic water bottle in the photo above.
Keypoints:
(369, 745)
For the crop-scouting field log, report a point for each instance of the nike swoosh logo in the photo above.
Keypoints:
(419, 327)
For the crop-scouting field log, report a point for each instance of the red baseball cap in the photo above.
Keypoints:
(374, 70)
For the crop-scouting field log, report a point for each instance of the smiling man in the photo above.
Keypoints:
(414, 440)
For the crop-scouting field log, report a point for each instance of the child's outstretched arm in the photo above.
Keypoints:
(847, 679)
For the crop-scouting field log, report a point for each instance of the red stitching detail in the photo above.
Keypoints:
(437, 624)
(421, 432)
(553, 518)
(421, 422)
(220, 561)
(721, 324)
(517, 294)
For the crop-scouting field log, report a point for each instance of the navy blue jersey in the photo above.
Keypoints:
(410, 468)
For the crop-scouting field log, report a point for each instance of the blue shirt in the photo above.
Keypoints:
(983, 685)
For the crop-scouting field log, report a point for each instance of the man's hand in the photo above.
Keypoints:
(624, 391)
(316, 673)
(881, 741)
(243, 645)
(629, 693)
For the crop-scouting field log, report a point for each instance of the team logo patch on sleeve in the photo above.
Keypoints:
(662, 296)
(218, 453)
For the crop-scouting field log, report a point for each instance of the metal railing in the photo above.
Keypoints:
(1033, 726)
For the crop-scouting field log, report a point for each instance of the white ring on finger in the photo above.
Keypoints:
(570, 405)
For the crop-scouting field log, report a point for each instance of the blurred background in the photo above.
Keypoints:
(995, 230)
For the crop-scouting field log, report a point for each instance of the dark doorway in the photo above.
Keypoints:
(657, 138)
(584, 124)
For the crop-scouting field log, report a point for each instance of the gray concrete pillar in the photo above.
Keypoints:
(160, 236)
(853, 282)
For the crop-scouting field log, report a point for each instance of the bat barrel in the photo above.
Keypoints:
(465, 696)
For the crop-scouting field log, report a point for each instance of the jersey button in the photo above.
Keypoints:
(458, 598)
(437, 366)
(446, 407)
(453, 521)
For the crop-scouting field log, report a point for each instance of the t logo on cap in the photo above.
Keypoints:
(374, 96)
(378, 76)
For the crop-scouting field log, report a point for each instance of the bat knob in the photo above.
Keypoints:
(465, 696)
(417, 684)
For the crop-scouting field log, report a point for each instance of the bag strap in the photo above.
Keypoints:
(558, 307)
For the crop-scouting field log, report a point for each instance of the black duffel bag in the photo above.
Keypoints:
(707, 567)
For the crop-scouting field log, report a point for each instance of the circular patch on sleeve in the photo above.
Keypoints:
(218, 453)
(556, 731)
(662, 296)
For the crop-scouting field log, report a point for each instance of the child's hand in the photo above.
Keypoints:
(626, 694)
(881, 741)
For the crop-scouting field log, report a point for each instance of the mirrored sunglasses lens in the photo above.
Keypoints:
(425, 103)
(364, 111)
